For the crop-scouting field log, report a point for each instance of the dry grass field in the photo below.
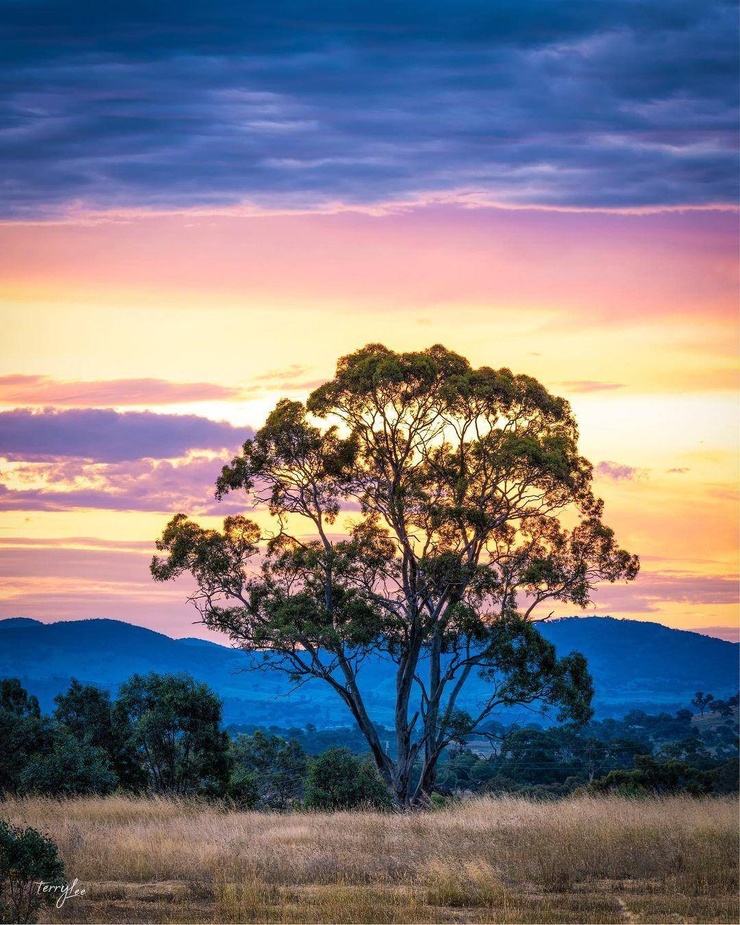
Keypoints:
(490, 860)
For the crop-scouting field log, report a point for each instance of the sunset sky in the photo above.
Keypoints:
(204, 205)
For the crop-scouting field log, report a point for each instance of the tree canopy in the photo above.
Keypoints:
(337, 779)
(466, 506)
(176, 730)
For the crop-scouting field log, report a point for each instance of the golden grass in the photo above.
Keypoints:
(583, 859)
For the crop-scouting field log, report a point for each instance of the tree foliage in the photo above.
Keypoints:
(653, 777)
(469, 506)
(277, 768)
(338, 779)
(89, 714)
(701, 701)
(176, 730)
(70, 767)
(23, 732)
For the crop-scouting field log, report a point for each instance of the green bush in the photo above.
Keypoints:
(175, 724)
(651, 777)
(23, 732)
(88, 713)
(339, 779)
(26, 858)
(277, 767)
(243, 790)
(72, 767)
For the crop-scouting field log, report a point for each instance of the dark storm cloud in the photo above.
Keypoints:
(109, 436)
(625, 103)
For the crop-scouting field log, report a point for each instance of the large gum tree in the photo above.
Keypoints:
(465, 506)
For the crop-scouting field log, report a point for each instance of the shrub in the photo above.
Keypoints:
(243, 790)
(651, 777)
(175, 726)
(87, 713)
(71, 768)
(26, 858)
(23, 732)
(277, 767)
(338, 779)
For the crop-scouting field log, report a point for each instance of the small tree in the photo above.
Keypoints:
(23, 733)
(176, 729)
(468, 504)
(87, 712)
(26, 858)
(723, 708)
(339, 779)
(701, 701)
(277, 767)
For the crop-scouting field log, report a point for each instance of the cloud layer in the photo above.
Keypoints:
(653, 590)
(98, 580)
(153, 485)
(108, 436)
(43, 390)
(291, 104)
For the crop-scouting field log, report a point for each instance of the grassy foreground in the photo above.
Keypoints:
(583, 859)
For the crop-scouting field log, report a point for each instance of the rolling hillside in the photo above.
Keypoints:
(636, 665)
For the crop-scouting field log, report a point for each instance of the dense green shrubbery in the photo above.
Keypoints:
(175, 732)
(273, 767)
(23, 733)
(71, 766)
(650, 776)
(162, 735)
(641, 753)
(339, 779)
(90, 715)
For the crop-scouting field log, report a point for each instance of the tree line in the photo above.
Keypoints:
(639, 754)
(163, 734)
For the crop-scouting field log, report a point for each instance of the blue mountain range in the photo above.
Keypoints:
(635, 665)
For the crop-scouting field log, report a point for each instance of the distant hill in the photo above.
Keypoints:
(636, 665)
(632, 660)
(14, 622)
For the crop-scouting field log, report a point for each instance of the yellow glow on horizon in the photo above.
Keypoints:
(633, 318)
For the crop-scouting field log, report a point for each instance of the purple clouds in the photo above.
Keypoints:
(298, 104)
(654, 589)
(728, 633)
(617, 472)
(133, 461)
(137, 485)
(110, 436)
